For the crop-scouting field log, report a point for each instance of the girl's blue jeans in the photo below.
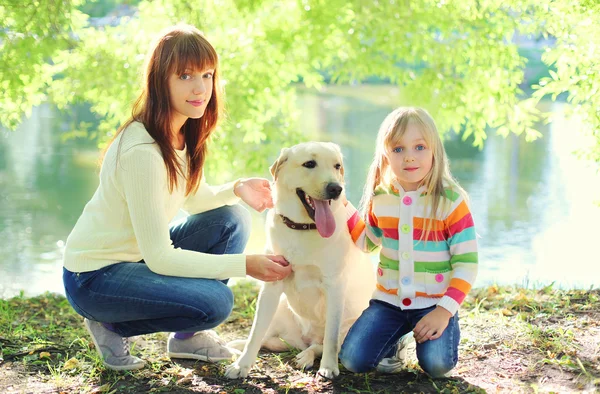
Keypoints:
(375, 334)
(135, 300)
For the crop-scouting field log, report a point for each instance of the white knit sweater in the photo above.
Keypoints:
(128, 217)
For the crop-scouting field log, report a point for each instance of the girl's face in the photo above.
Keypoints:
(190, 93)
(411, 158)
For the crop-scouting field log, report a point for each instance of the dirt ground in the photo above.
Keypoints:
(503, 350)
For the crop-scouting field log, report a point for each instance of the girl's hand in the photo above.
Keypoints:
(256, 192)
(268, 268)
(432, 325)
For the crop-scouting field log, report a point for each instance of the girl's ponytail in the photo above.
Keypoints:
(378, 167)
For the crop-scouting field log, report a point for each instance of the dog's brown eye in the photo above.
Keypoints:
(338, 166)
(310, 164)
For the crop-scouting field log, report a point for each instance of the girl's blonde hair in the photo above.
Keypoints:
(439, 177)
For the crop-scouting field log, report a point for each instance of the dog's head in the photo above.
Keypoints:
(313, 173)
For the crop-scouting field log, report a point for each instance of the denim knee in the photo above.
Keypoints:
(353, 361)
(219, 313)
(356, 365)
(240, 222)
(436, 366)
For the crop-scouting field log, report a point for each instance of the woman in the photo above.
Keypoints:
(125, 270)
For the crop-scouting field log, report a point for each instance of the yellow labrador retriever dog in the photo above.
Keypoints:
(332, 281)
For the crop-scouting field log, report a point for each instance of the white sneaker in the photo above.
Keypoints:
(398, 362)
(113, 348)
(204, 345)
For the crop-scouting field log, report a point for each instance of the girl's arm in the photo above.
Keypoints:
(462, 241)
(143, 178)
(367, 236)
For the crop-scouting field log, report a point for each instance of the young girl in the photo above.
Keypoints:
(126, 271)
(418, 214)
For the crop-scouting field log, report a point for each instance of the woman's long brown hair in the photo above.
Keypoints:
(179, 48)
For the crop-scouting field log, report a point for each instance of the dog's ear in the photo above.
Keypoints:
(283, 156)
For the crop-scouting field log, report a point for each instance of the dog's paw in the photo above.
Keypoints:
(328, 372)
(236, 371)
(305, 359)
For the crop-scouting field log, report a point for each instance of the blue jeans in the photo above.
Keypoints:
(375, 334)
(135, 300)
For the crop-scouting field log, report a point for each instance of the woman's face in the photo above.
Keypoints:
(190, 93)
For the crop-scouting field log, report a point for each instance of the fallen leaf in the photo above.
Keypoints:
(186, 373)
(72, 363)
(185, 380)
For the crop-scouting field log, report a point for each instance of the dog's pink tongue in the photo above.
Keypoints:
(324, 218)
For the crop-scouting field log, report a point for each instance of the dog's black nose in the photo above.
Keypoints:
(333, 190)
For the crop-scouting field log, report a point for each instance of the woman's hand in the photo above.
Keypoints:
(256, 192)
(432, 325)
(268, 268)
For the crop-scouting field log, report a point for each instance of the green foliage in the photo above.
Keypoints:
(458, 59)
(100, 8)
(576, 59)
(31, 33)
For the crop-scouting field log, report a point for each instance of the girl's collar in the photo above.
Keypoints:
(401, 190)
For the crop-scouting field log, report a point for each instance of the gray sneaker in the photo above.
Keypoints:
(113, 348)
(204, 346)
(398, 362)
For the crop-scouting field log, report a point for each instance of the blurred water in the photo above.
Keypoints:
(533, 203)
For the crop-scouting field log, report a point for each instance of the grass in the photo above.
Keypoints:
(513, 340)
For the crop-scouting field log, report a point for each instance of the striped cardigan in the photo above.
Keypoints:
(412, 273)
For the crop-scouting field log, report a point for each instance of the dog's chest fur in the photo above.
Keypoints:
(305, 294)
(316, 262)
(307, 250)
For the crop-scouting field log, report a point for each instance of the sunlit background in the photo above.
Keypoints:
(535, 204)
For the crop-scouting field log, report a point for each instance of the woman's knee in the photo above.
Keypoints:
(222, 306)
(228, 231)
(240, 217)
(212, 308)
(239, 223)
